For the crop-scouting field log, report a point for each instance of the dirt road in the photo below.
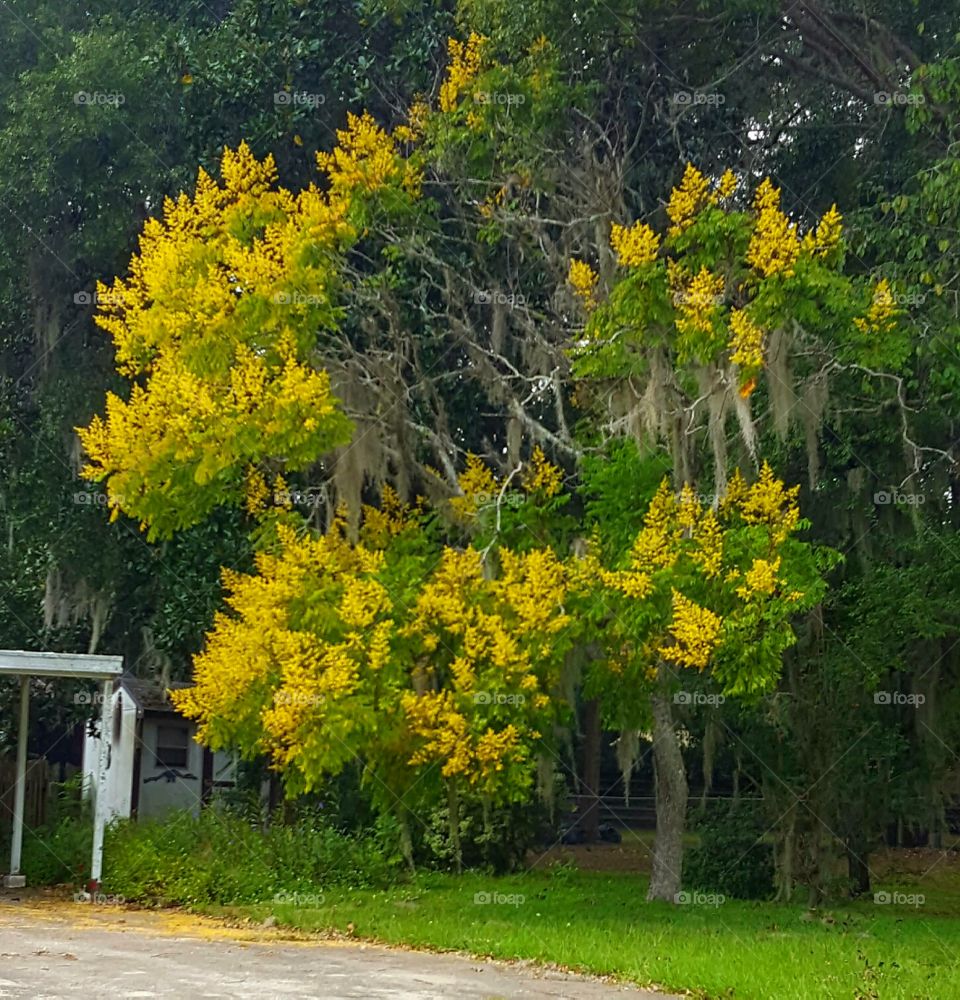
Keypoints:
(54, 949)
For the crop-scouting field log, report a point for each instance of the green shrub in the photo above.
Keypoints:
(497, 843)
(731, 858)
(58, 851)
(220, 858)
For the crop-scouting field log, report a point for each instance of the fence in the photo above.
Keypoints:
(35, 799)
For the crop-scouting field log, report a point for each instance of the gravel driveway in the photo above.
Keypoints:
(54, 949)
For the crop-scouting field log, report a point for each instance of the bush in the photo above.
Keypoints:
(497, 843)
(220, 858)
(731, 859)
(58, 851)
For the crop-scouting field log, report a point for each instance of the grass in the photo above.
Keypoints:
(600, 923)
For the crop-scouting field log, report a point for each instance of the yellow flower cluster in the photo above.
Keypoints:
(767, 502)
(418, 115)
(220, 316)
(761, 578)
(583, 279)
(687, 199)
(774, 245)
(443, 736)
(746, 341)
(281, 673)
(365, 158)
(479, 486)
(688, 508)
(382, 523)
(636, 245)
(657, 545)
(697, 302)
(630, 583)
(466, 59)
(820, 241)
(255, 491)
(882, 314)
(696, 632)
(542, 476)
(727, 184)
(708, 551)
(533, 585)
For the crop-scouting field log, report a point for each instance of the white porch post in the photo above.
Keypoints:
(100, 796)
(15, 880)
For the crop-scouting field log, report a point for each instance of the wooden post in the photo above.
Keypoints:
(15, 880)
(100, 797)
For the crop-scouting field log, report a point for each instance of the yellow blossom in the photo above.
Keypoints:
(696, 632)
(542, 476)
(761, 578)
(727, 184)
(826, 236)
(465, 61)
(687, 199)
(636, 245)
(774, 245)
(883, 311)
(697, 303)
(583, 279)
(746, 341)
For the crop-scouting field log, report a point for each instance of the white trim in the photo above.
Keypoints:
(92, 667)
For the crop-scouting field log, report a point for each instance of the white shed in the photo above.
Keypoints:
(155, 763)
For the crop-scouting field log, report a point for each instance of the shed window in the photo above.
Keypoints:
(172, 744)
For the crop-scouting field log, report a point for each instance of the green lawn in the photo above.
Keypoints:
(597, 922)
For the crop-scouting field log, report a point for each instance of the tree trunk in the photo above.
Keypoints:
(406, 838)
(453, 816)
(857, 868)
(671, 797)
(590, 818)
(783, 857)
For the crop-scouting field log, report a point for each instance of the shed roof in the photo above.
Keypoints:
(149, 695)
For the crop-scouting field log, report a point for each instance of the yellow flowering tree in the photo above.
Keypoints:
(306, 668)
(731, 298)
(219, 327)
(488, 654)
(704, 587)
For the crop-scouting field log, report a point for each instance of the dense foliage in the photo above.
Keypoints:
(418, 406)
